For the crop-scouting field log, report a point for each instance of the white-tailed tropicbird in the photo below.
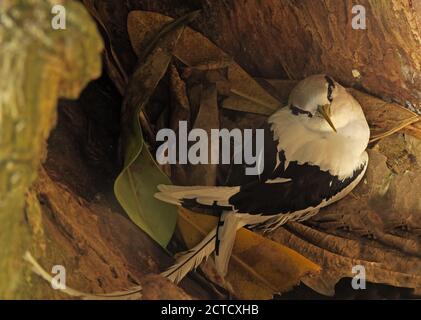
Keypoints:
(314, 155)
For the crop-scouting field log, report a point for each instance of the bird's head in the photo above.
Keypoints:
(325, 103)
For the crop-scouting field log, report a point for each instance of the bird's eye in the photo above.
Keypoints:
(297, 111)
(330, 87)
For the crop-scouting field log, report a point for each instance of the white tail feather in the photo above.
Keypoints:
(191, 259)
(227, 236)
(203, 194)
(134, 293)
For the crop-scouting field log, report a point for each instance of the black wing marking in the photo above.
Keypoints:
(331, 86)
(214, 210)
(308, 187)
(297, 111)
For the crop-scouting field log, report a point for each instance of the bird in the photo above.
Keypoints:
(314, 155)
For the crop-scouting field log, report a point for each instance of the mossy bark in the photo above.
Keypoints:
(37, 66)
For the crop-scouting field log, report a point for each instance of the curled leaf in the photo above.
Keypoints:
(198, 52)
(259, 267)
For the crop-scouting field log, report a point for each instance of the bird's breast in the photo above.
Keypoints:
(340, 152)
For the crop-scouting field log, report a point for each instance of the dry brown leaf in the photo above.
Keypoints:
(206, 119)
(250, 95)
(278, 88)
(383, 117)
(414, 130)
(180, 106)
(245, 86)
(112, 62)
(335, 266)
(259, 267)
(194, 50)
(245, 104)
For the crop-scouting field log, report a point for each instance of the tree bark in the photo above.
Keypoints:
(293, 39)
(33, 76)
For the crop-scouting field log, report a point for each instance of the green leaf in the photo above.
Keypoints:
(136, 184)
(135, 188)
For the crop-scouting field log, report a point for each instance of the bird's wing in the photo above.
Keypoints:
(297, 187)
(283, 187)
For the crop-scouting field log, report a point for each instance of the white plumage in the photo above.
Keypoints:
(191, 259)
(207, 195)
(311, 140)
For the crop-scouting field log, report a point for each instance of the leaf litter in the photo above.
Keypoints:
(368, 227)
(377, 227)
